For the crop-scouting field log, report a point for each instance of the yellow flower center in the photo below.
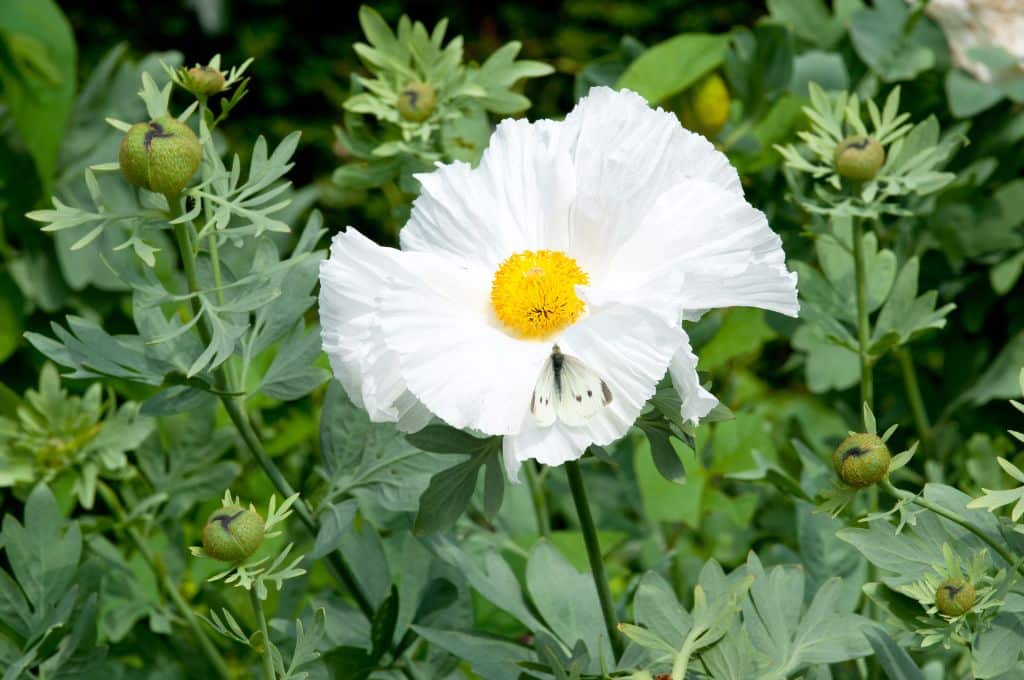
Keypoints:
(534, 292)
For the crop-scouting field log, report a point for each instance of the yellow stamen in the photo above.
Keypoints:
(534, 292)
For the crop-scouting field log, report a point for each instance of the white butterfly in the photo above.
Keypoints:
(567, 390)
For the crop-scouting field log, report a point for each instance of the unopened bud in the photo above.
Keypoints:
(416, 101)
(955, 597)
(705, 106)
(861, 460)
(859, 158)
(204, 81)
(232, 533)
(161, 155)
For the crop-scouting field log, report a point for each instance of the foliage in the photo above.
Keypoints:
(191, 363)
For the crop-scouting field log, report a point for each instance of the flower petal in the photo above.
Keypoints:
(627, 155)
(453, 355)
(517, 198)
(350, 280)
(630, 348)
(697, 401)
(722, 246)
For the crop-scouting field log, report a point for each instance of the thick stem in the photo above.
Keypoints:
(956, 519)
(335, 563)
(268, 659)
(169, 587)
(579, 497)
(924, 428)
(863, 322)
(540, 500)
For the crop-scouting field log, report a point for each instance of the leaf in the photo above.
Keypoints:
(662, 452)
(12, 316)
(671, 66)
(38, 77)
(893, 53)
(490, 658)
(893, 659)
(449, 493)
(968, 96)
(567, 600)
(812, 21)
(997, 650)
(291, 375)
(335, 519)
(382, 628)
(999, 381)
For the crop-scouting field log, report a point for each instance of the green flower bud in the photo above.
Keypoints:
(859, 158)
(204, 81)
(705, 106)
(955, 597)
(861, 460)
(232, 533)
(416, 101)
(161, 155)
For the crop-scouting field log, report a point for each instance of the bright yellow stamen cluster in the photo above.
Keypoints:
(534, 292)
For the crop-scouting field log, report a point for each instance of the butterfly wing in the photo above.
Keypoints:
(545, 396)
(583, 393)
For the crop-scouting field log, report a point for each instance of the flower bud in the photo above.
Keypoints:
(161, 155)
(232, 533)
(705, 106)
(416, 101)
(859, 158)
(955, 597)
(861, 460)
(204, 81)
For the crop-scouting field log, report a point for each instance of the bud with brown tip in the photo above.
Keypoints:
(955, 597)
(232, 533)
(861, 460)
(416, 101)
(859, 158)
(161, 155)
(203, 81)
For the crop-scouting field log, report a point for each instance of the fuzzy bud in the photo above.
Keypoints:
(859, 158)
(161, 155)
(203, 81)
(861, 460)
(232, 533)
(416, 101)
(705, 106)
(955, 597)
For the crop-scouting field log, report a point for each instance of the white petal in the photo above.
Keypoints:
(630, 349)
(518, 198)
(697, 401)
(626, 156)
(454, 357)
(723, 248)
(350, 279)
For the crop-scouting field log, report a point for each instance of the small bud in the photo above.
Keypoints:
(161, 155)
(705, 106)
(861, 460)
(859, 158)
(416, 101)
(955, 597)
(204, 81)
(232, 533)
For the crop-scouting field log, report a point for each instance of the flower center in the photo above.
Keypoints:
(534, 292)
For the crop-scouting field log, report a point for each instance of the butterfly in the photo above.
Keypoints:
(567, 390)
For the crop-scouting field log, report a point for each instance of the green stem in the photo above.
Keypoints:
(268, 659)
(863, 322)
(579, 497)
(956, 519)
(540, 501)
(914, 395)
(335, 563)
(169, 587)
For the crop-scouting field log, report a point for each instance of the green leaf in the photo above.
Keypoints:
(905, 315)
(880, 38)
(382, 629)
(968, 96)
(662, 451)
(667, 501)
(335, 520)
(999, 381)
(449, 493)
(997, 649)
(490, 658)
(447, 439)
(567, 600)
(671, 66)
(12, 316)
(291, 374)
(37, 74)
(893, 659)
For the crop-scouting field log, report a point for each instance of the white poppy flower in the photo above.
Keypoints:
(598, 234)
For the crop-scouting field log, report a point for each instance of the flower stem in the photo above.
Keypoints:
(863, 322)
(335, 563)
(169, 587)
(268, 660)
(914, 395)
(579, 497)
(956, 519)
(540, 501)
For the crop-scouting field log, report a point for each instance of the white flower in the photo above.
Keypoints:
(977, 24)
(600, 233)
